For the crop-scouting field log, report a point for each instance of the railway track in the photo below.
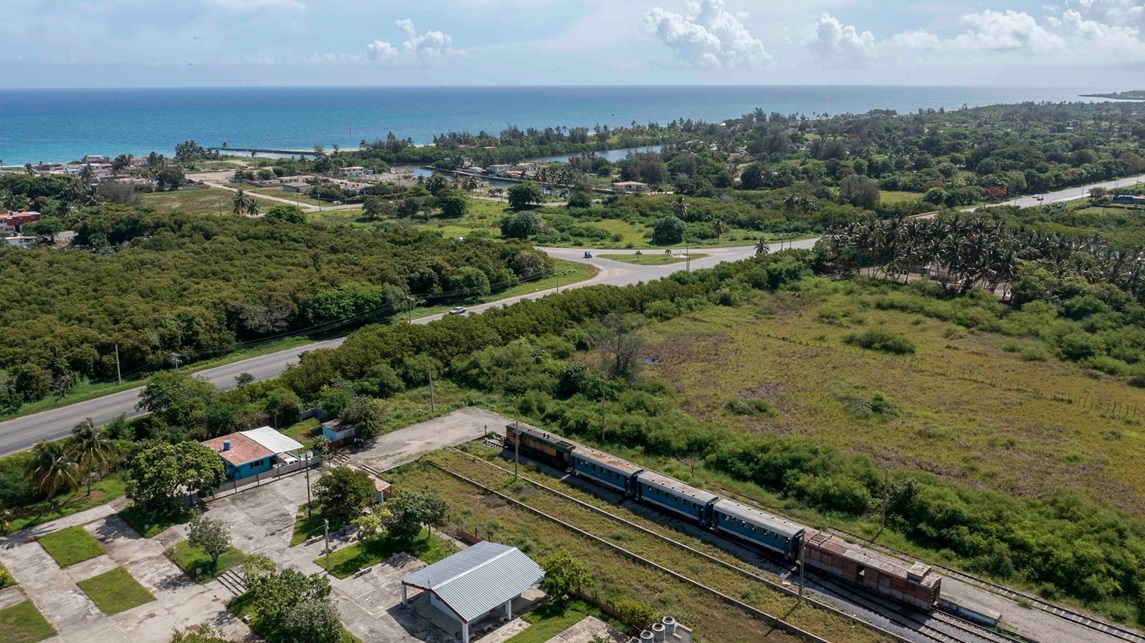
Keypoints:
(770, 619)
(1023, 598)
(916, 623)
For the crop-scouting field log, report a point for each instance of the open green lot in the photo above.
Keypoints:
(115, 591)
(70, 546)
(23, 623)
(192, 201)
(308, 526)
(150, 525)
(344, 562)
(104, 491)
(552, 618)
(969, 406)
(198, 564)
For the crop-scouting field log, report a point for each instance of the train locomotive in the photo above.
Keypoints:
(914, 584)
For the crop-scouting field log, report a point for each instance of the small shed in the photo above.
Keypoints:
(472, 583)
(338, 433)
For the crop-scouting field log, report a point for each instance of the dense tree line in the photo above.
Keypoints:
(163, 284)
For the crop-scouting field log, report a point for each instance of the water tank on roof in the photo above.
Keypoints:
(226, 445)
(658, 632)
(669, 625)
(645, 636)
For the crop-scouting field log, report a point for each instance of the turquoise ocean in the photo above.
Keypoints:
(64, 125)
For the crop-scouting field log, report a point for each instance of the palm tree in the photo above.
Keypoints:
(680, 208)
(244, 204)
(52, 468)
(90, 449)
(761, 247)
(720, 229)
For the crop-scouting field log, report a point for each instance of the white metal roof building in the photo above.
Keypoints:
(472, 583)
(274, 441)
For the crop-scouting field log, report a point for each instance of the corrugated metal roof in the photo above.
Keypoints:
(675, 486)
(273, 440)
(478, 579)
(781, 526)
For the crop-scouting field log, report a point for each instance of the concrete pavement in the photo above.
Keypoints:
(21, 433)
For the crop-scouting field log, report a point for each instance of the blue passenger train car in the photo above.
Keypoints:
(605, 469)
(675, 496)
(757, 526)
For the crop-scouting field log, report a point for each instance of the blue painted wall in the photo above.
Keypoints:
(675, 503)
(604, 475)
(771, 540)
(247, 470)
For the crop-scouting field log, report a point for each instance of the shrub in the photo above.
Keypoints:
(750, 407)
(881, 339)
(668, 231)
(634, 613)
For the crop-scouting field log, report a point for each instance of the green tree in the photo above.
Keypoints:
(313, 622)
(161, 473)
(210, 535)
(621, 348)
(376, 207)
(286, 213)
(179, 398)
(366, 414)
(275, 595)
(52, 468)
(579, 199)
(91, 449)
(668, 231)
(860, 191)
(47, 228)
(454, 206)
(521, 225)
(283, 405)
(720, 228)
(634, 613)
(564, 575)
(243, 379)
(372, 524)
(411, 510)
(525, 195)
(344, 492)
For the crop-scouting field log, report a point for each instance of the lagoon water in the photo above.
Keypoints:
(64, 125)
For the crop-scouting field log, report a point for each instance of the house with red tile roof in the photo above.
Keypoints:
(249, 453)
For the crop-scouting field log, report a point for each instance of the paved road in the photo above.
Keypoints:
(21, 433)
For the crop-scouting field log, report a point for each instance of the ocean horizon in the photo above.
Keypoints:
(60, 125)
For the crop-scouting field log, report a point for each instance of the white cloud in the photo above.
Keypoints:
(707, 37)
(842, 45)
(998, 31)
(423, 47)
(989, 31)
(1110, 40)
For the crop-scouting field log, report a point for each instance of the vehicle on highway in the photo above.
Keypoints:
(587, 254)
(908, 582)
(457, 310)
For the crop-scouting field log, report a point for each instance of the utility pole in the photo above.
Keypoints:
(516, 449)
(802, 548)
(432, 404)
(118, 374)
(326, 535)
(557, 274)
(409, 307)
(309, 508)
(886, 488)
(687, 256)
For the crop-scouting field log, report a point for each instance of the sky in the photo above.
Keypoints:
(215, 43)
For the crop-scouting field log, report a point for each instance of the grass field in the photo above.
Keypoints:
(198, 565)
(192, 201)
(23, 623)
(652, 258)
(552, 618)
(151, 525)
(298, 199)
(971, 409)
(102, 492)
(70, 546)
(305, 527)
(305, 432)
(115, 591)
(615, 575)
(344, 562)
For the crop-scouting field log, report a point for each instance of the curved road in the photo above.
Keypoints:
(23, 432)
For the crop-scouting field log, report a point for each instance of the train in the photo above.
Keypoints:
(912, 583)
